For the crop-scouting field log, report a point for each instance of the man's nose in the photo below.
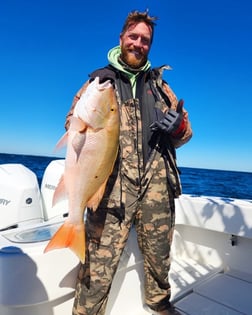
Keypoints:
(138, 42)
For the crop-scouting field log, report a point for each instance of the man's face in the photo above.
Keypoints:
(135, 45)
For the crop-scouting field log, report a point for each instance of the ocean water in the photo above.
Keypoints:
(195, 181)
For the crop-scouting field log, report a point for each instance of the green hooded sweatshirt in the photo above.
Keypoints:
(113, 55)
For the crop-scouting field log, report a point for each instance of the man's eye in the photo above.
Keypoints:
(133, 37)
(145, 41)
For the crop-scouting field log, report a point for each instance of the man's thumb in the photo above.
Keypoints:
(180, 106)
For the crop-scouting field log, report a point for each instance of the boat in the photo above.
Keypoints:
(211, 253)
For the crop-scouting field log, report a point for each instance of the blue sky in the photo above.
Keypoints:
(48, 48)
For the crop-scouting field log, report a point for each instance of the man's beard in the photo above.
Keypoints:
(131, 60)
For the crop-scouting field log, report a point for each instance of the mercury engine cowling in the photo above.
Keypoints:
(20, 198)
(51, 178)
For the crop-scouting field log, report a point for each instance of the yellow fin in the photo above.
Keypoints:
(60, 191)
(71, 236)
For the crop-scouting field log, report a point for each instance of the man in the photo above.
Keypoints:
(145, 179)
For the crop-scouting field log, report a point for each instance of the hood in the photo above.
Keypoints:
(113, 56)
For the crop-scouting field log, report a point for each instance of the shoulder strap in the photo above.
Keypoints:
(157, 81)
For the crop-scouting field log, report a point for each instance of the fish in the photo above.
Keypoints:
(92, 142)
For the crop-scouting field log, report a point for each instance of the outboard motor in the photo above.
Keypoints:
(20, 199)
(51, 178)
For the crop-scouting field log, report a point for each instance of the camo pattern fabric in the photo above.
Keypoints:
(131, 199)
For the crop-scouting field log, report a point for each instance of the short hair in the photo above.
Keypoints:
(136, 17)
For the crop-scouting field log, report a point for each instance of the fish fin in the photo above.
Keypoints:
(94, 201)
(76, 124)
(78, 143)
(62, 142)
(69, 236)
(60, 191)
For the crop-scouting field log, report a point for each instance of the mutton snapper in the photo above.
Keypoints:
(92, 145)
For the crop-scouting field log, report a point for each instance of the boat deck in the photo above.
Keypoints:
(221, 293)
(197, 289)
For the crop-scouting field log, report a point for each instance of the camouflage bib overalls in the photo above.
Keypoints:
(138, 194)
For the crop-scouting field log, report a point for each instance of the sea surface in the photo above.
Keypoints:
(195, 181)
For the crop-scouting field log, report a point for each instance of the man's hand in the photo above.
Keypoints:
(172, 123)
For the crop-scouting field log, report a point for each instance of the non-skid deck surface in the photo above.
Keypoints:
(222, 294)
(186, 274)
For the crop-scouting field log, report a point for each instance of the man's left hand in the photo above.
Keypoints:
(172, 121)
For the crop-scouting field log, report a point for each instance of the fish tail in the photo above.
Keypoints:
(71, 236)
